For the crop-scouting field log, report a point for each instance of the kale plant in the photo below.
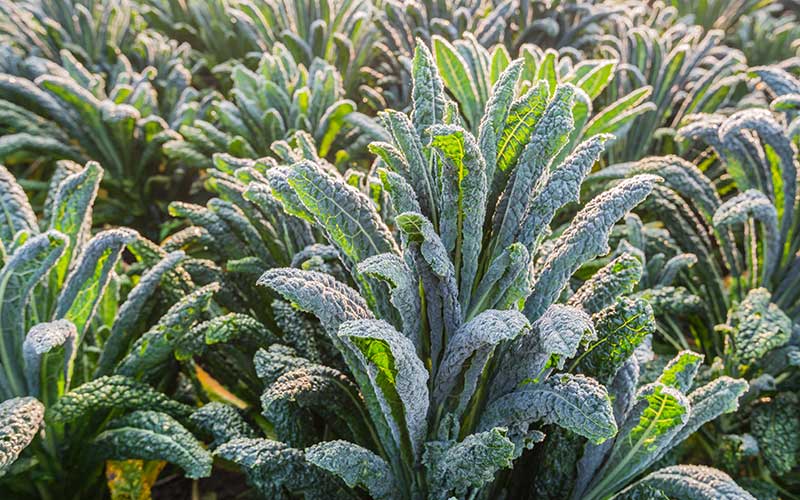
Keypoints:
(53, 112)
(458, 356)
(469, 71)
(690, 70)
(738, 217)
(78, 362)
(271, 104)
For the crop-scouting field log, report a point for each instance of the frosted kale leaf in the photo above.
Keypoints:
(404, 289)
(692, 482)
(295, 397)
(574, 402)
(586, 238)
(617, 278)
(331, 301)
(471, 463)
(17, 212)
(758, 327)
(356, 466)
(620, 328)
(40, 340)
(392, 378)
(470, 349)
(659, 413)
(152, 435)
(111, 393)
(775, 424)
(20, 419)
(156, 346)
(276, 471)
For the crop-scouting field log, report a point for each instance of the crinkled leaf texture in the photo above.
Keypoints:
(275, 470)
(40, 340)
(659, 414)
(348, 217)
(689, 482)
(329, 300)
(152, 435)
(475, 342)
(356, 466)
(20, 419)
(453, 468)
(109, 393)
(759, 326)
(222, 422)
(775, 424)
(586, 238)
(386, 362)
(574, 402)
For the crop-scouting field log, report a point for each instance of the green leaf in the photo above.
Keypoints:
(438, 278)
(455, 74)
(153, 350)
(20, 419)
(357, 466)
(681, 370)
(689, 482)
(471, 463)
(404, 290)
(620, 329)
(563, 186)
(776, 426)
(275, 470)
(428, 98)
(550, 135)
(386, 362)
(613, 280)
(593, 76)
(87, 282)
(296, 397)
(759, 326)
(737, 211)
(495, 115)
(131, 310)
(468, 352)
(151, 435)
(708, 402)
(321, 294)
(520, 123)
(40, 340)
(222, 422)
(617, 116)
(464, 191)
(17, 214)
(584, 239)
(574, 402)
(116, 392)
(350, 221)
(72, 210)
(18, 277)
(658, 415)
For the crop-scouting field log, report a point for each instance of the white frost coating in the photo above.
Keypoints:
(584, 239)
(476, 338)
(20, 419)
(42, 338)
(321, 294)
(692, 482)
(561, 329)
(407, 372)
(754, 202)
(574, 402)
